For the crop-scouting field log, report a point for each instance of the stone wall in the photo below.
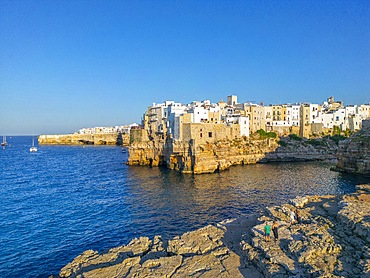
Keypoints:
(81, 139)
(138, 135)
(208, 132)
(354, 153)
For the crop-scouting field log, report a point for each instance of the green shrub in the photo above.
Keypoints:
(315, 142)
(336, 130)
(348, 132)
(282, 143)
(261, 132)
(271, 134)
(295, 137)
(336, 138)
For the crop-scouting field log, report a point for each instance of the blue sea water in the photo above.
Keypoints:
(63, 200)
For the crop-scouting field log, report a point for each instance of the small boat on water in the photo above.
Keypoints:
(4, 143)
(33, 148)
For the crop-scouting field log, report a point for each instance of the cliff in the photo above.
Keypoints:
(302, 149)
(354, 153)
(331, 240)
(197, 158)
(81, 139)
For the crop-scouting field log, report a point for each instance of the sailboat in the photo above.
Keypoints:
(33, 148)
(4, 143)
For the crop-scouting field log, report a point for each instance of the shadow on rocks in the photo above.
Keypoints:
(236, 231)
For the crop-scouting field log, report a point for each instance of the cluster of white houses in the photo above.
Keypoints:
(124, 129)
(206, 119)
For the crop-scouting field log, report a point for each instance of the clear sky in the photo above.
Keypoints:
(65, 65)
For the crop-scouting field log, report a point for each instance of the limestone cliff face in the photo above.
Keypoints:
(146, 153)
(196, 158)
(199, 158)
(354, 153)
(302, 150)
(81, 139)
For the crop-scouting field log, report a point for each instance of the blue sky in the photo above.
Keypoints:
(65, 65)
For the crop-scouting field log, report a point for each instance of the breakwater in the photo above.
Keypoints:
(331, 239)
(84, 139)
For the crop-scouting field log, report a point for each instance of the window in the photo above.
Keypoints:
(210, 134)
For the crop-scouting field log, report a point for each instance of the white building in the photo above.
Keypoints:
(244, 125)
(315, 114)
(327, 119)
(199, 114)
(364, 111)
(355, 122)
(242, 121)
(334, 118)
(340, 118)
(293, 114)
(267, 110)
(174, 111)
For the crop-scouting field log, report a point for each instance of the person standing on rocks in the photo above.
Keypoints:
(292, 217)
(267, 231)
(297, 216)
(275, 230)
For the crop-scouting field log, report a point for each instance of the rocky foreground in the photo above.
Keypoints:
(332, 240)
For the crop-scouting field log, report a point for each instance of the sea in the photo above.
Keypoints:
(62, 200)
